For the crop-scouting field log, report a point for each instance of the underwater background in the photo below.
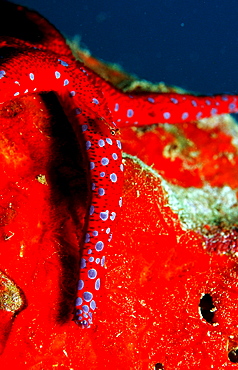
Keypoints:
(191, 44)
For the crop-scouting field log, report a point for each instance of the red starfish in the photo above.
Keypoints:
(95, 109)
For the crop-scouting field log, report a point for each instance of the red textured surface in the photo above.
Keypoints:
(187, 155)
(156, 272)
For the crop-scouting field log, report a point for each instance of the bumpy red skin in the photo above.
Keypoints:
(96, 110)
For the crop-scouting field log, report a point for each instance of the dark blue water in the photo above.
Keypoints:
(192, 44)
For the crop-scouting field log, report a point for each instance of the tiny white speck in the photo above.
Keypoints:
(101, 143)
(232, 106)
(87, 238)
(83, 70)
(57, 74)
(99, 246)
(2, 74)
(113, 177)
(130, 113)
(184, 115)
(113, 216)
(97, 284)
(84, 127)
(103, 261)
(104, 161)
(88, 144)
(32, 76)
(95, 101)
(109, 141)
(213, 111)
(119, 144)
(104, 215)
(78, 111)
(63, 63)
(166, 115)
(116, 108)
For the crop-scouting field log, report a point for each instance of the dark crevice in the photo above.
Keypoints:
(14, 22)
(159, 366)
(207, 308)
(233, 355)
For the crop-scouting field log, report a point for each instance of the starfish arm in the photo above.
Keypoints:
(85, 106)
(106, 179)
(142, 109)
(25, 70)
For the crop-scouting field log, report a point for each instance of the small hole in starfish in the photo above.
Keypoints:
(233, 355)
(207, 308)
(159, 366)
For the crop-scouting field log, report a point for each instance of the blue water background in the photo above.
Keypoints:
(192, 44)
